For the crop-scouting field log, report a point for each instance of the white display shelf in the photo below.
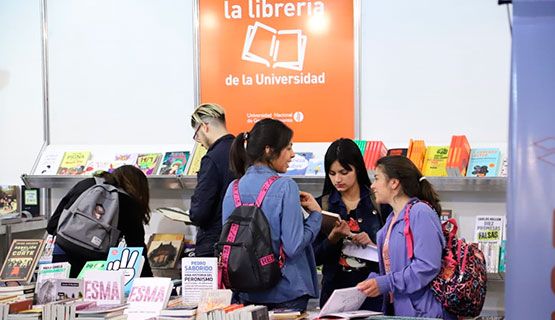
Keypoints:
(441, 184)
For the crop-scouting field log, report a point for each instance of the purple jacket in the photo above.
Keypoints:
(409, 279)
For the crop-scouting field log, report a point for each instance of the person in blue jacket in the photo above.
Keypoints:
(347, 193)
(208, 121)
(256, 156)
(404, 282)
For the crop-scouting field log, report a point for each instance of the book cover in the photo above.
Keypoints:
(94, 166)
(49, 163)
(504, 169)
(148, 162)
(458, 156)
(30, 200)
(164, 249)
(361, 144)
(398, 152)
(445, 215)
(8, 201)
(435, 162)
(174, 163)
(45, 289)
(92, 265)
(483, 162)
(299, 164)
(212, 299)
(488, 233)
(104, 287)
(73, 163)
(315, 167)
(46, 256)
(417, 152)
(21, 260)
(148, 297)
(121, 159)
(374, 150)
(194, 163)
(328, 221)
(128, 259)
(197, 275)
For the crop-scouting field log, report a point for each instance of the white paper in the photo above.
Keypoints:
(369, 252)
(343, 300)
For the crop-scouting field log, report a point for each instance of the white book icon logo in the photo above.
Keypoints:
(273, 48)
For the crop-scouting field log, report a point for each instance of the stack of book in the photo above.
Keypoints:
(416, 152)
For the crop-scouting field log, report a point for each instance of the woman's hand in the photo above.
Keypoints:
(308, 202)
(340, 231)
(361, 239)
(369, 287)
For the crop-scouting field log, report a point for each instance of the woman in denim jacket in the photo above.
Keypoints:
(347, 193)
(404, 282)
(255, 156)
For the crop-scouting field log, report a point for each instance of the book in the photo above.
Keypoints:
(344, 300)
(50, 290)
(128, 259)
(164, 249)
(49, 163)
(398, 152)
(30, 200)
(121, 159)
(488, 233)
(148, 162)
(315, 167)
(374, 151)
(275, 48)
(174, 163)
(45, 289)
(8, 201)
(194, 163)
(361, 144)
(483, 162)
(328, 221)
(417, 152)
(148, 297)
(212, 299)
(103, 311)
(175, 214)
(198, 275)
(94, 166)
(435, 161)
(73, 163)
(458, 156)
(92, 265)
(21, 260)
(299, 164)
(179, 311)
(445, 215)
(104, 287)
(504, 169)
(502, 256)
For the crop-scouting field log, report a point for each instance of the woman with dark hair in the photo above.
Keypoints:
(405, 282)
(347, 193)
(134, 211)
(255, 157)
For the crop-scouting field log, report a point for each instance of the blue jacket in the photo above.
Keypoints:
(328, 254)
(206, 203)
(409, 280)
(282, 208)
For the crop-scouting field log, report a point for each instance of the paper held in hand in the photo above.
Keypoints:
(369, 252)
(345, 303)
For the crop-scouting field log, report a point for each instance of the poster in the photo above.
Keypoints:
(288, 60)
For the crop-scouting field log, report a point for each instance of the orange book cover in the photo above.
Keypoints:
(418, 152)
(459, 153)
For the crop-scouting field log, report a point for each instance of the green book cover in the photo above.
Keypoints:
(92, 265)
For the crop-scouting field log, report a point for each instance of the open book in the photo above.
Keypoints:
(344, 303)
(273, 48)
(175, 214)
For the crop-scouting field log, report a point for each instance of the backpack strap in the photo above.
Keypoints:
(236, 197)
(409, 238)
(264, 190)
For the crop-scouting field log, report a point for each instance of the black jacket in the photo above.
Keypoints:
(129, 223)
(206, 203)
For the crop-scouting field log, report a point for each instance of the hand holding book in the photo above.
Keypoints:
(308, 202)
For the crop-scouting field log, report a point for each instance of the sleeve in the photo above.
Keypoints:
(131, 227)
(205, 199)
(324, 251)
(296, 232)
(66, 202)
(228, 205)
(426, 263)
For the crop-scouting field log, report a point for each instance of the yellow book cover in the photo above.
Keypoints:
(194, 163)
(74, 163)
(435, 162)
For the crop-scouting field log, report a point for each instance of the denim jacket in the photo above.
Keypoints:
(410, 279)
(282, 208)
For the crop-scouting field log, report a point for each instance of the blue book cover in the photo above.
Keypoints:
(315, 168)
(483, 162)
(299, 164)
(128, 259)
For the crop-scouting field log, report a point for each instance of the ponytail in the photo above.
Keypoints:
(238, 156)
(413, 183)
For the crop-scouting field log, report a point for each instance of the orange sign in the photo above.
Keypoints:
(283, 59)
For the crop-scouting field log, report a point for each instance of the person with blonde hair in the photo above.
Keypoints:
(213, 177)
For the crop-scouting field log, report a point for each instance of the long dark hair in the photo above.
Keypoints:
(135, 183)
(347, 153)
(265, 133)
(401, 168)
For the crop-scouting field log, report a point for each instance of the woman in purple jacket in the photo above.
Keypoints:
(404, 282)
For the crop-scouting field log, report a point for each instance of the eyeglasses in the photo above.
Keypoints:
(195, 135)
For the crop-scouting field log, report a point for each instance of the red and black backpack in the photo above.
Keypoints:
(246, 259)
(461, 283)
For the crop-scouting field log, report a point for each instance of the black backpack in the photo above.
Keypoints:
(246, 259)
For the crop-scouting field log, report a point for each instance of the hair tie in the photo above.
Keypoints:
(422, 178)
(246, 135)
